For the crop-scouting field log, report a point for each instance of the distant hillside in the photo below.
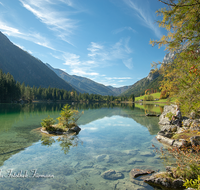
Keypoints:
(151, 81)
(119, 90)
(82, 84)
(26, 68)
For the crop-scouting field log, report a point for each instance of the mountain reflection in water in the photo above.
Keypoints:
(115, 137)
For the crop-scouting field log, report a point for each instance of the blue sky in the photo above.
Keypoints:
(104, 40)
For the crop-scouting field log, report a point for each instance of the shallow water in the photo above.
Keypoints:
(118, 138)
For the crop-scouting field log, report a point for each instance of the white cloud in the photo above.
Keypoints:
(1, 4)
(30, 36)
(71, 59)
(118, 78)
(100, 55)
(94, 49)
(124, 28)
(55, 20)
(145, 17)
(81, 72)
(128, 63)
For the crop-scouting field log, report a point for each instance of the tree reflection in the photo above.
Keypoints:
(66, 141)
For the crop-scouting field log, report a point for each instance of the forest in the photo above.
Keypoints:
(13, 92)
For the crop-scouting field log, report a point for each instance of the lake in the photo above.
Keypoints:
(117, 137)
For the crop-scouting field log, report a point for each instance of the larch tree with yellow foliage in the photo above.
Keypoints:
(181, 80)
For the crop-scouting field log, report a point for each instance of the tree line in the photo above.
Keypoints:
(12, 91)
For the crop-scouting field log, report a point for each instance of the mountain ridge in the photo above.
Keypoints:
(26, 68)
(83, 84)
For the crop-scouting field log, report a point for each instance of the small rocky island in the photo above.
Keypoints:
(58, 131)
(66, 123)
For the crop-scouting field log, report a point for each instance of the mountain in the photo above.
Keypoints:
(26, 68)
(82, 84)
(151, 81)
(120, 90)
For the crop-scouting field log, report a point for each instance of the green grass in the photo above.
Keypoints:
(155, 96)
(153, 109)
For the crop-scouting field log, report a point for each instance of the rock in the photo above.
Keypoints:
(187, 122)
(195, 126)
(130, 152)
(134, 160)
(152, 115)
(163, 120)
(192, 115)
(195, 140)
(185, 143)
(138, 172)
(101, 157)
(112, 175)
(178, 183)
(146, 153)
(169, 168)
(75, 129)
(180, 130)
(177, 144)
(165, 140)
(158, 179)
(169, 128)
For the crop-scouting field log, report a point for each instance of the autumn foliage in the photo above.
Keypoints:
(182, 75)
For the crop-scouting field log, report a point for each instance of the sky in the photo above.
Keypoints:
(104, 40)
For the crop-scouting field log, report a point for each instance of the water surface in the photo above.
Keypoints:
(112, 137)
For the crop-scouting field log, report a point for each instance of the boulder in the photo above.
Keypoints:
(195, 140)
(187, 122)
(152, 115)
(163, 120)
(134, 160)
(138, 172)
(165, 134)
(195, 125)
(112, 175)
(169, 128)
(165, 140)
(101, 157)
(75, 129)
(178, 144)
(159, 180)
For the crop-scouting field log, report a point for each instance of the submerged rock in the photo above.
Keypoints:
(101, 157)
(138, 172)
(112, 175)
(134, 160)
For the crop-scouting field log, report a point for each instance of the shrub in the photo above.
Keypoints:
(193, 183)
(47, 123)
(68, 117)
(148, 98)
(187, 163)
(169, 115)
(164, 94)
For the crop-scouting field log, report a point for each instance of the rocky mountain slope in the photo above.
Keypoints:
(82, 84)
(26, 68)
